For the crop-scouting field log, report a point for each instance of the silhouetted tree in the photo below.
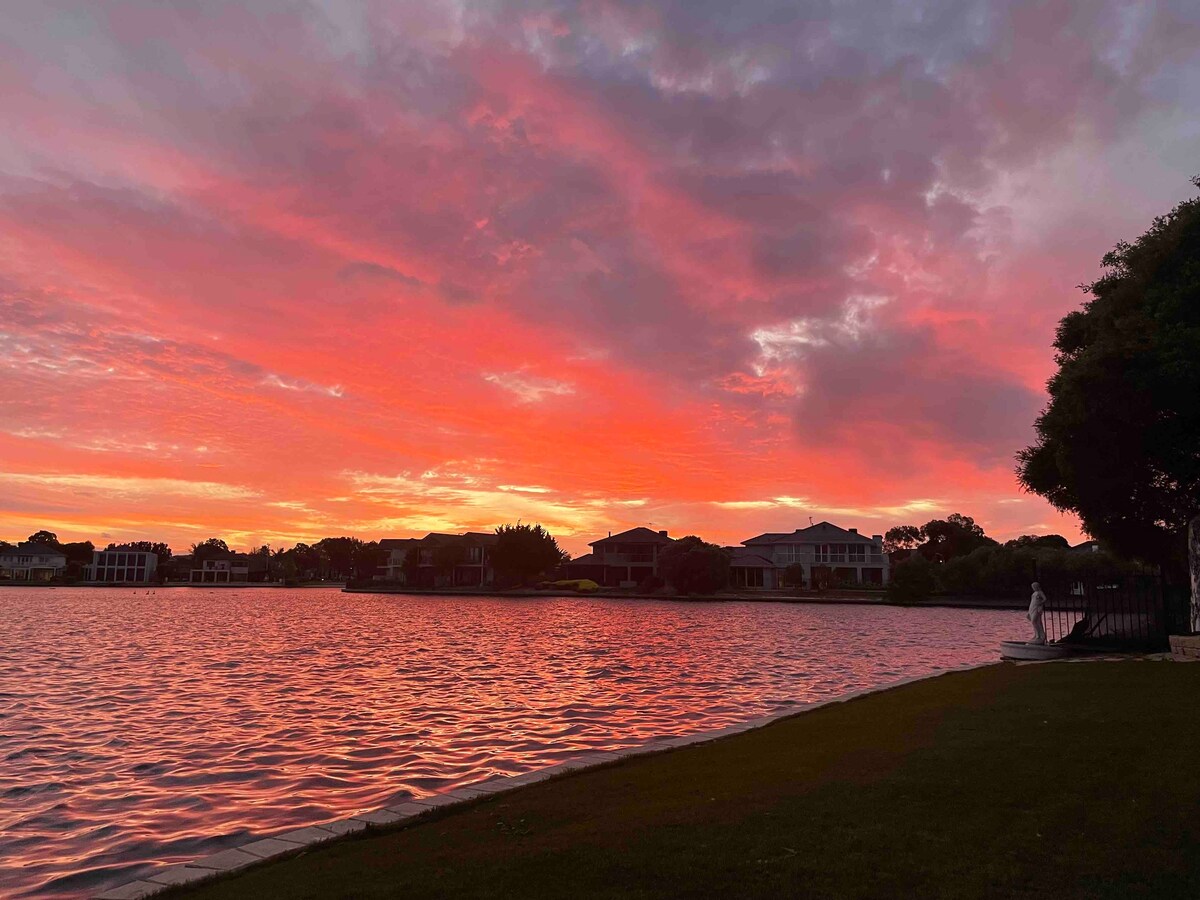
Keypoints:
(213, 548)
(523, 552)
(368, 557)
(46, 539)
(911, 581)
(339, 555)
(158, 548)
(1044, 541)
(1117, 443)
(79, 553)
(938, 539)
(902, 537)
(692, 566)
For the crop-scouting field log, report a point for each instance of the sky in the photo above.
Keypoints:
(275, 271)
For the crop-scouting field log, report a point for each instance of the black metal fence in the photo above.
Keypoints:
(1129, 612)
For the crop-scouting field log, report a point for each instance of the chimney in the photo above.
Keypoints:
(663, 533)
(854, 531)
(877, 539)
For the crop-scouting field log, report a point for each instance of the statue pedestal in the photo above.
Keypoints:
(1023, 650)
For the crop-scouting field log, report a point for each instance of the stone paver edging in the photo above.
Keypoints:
(258, 850)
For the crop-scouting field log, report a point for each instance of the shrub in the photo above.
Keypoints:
(912, 581)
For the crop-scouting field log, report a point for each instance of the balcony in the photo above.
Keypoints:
(627, 559)
(828, 559)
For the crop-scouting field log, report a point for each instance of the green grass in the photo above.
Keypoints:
(1064, 780)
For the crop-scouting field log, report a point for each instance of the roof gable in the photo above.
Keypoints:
(821, 533)
(639, 535)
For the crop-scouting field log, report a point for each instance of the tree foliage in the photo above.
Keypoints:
(158, 548)
(213, 548)
(938, 539)
(1118, 442)
(523, 552)
(692, 566)
(46, 539)
(911, 581)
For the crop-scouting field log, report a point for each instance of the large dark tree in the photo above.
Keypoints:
(938, 539)
(522, 552)
(1119, 442)
(213, 548)
(692, 566)
(46, 539)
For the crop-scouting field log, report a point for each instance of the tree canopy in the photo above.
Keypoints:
(692, 566)
(213, 548)
(938, 539)
(1118, 442)
(522, 552)
(46, 539)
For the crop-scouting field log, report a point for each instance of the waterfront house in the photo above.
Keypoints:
(621, 560)
(232, 568)
(123, 566)
(826, 552)
(749, 568)
(397, 550)
(31, 562)
(452, 560)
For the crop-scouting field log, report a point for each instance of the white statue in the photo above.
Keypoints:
(1036, 604)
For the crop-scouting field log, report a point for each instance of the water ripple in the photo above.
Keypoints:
(141, 730)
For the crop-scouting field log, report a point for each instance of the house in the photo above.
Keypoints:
(621, 560)
(123, 566)
(448, 560)
(397, 549)
(231, 568)
(825, 551)
(749, 568)
(31, 562)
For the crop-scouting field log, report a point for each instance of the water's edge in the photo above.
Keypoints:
(264, 849)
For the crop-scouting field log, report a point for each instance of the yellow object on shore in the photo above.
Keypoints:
(580, 585)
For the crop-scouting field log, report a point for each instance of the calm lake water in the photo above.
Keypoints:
(145, 729)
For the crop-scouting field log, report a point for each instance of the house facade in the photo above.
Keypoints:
(827, 554)
(443, 560)
(621, 560)
(31, 562)
(231, 569)
(119, 566)
(397, 549)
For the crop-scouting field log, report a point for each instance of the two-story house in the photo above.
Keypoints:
(397, 550)
(123, 566)
(621, 560)
(233, 568)
(445, 560)
(824, 551)
(31, 562)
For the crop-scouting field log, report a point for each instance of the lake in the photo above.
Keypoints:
(141, 728)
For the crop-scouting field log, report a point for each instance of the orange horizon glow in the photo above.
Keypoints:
(379, 272)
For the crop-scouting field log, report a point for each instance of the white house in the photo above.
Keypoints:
(232, 569)
(31, 562)
(118, 566)
(831, 553)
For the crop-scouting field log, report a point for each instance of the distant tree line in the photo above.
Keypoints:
(955, 556)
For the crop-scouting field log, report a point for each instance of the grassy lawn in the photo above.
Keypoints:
(1064, 780)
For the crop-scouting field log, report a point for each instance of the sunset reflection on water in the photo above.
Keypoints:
(150, 728)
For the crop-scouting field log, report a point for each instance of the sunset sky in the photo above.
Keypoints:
(275, 271)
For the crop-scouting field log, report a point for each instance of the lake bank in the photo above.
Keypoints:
(834, 598)
(1025, 781)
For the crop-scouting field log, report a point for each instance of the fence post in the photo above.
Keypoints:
(1194, 566)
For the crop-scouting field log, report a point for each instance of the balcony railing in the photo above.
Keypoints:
(821, 559)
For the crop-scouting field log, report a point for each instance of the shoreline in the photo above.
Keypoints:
(259, 849)
(849, 598)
